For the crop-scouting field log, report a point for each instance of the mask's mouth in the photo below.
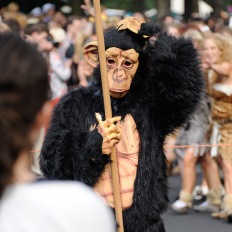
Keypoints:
(119, 90)
(117, 94)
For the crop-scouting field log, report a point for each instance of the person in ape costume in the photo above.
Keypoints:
(155, 84)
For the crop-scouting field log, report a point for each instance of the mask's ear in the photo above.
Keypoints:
(90, 53)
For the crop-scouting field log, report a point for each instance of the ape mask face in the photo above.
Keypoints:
(121, 66)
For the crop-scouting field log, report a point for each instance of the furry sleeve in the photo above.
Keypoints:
(70, 150)
(175, 80)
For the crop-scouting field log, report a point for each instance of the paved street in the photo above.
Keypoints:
(193, 221)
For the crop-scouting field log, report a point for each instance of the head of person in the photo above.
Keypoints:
(24, 91)
(73, 25)
(196, 37)
(48, 9)
(173, 29)
(13, 24)
(125, 57)
(167, 19)
(60, 19)
(37, 32)
(13, 7)
(216, 48)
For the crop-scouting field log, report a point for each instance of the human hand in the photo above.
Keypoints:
(206, 61)
(204, 65)
(110, 133)
(45, 46)
(88, 8)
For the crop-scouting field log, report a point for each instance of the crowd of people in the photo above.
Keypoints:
(206, 139)
(57, 40)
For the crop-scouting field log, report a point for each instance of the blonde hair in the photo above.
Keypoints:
(223, 45)
(195, 35)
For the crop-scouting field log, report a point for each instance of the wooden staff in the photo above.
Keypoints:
(108, 111)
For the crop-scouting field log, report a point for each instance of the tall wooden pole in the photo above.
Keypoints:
(108, 111)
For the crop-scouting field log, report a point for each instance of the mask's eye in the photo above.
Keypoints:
(110, 62)
(127, 64)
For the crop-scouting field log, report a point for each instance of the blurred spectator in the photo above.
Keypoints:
(196, 133)
(167, 20)
(13, 24)
(218, 69)
(35, 16)
(173, 29)
(36, 12)
(4, 28)
(38, 34)
(85, 73)
(48, 11)
(60, 19)
(226, 31)
(60, 71)
(28, 203)
(13, 12)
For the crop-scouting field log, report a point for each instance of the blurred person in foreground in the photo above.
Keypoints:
(26, 203)
(47, 42)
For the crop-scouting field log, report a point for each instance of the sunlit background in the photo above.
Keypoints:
(152, 8)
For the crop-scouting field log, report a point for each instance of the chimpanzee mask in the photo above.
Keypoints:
(121, 66)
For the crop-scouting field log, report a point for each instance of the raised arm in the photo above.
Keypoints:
(176, 80)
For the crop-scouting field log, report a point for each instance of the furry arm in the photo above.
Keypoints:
(70, 150)
(176, 78)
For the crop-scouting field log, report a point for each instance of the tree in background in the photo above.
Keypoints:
(163, 8)
(218, 7)
(191, 6)
(75, 4)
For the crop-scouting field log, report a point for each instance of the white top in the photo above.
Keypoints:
(52, 206)
(226, 89)
(59, 75)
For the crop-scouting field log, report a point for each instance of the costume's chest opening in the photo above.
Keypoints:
(127, 152)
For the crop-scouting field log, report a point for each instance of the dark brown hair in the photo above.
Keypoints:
(24, 87)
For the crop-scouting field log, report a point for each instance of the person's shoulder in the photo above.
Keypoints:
(69, 190)
(56, 204)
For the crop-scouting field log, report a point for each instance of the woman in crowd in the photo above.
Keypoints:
(27, 204)
(218, 68)
(195, 133)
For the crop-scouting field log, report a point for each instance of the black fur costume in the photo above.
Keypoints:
(163, 94)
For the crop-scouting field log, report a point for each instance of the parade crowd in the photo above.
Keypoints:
(207, 138)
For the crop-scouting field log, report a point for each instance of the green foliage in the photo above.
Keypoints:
(118, 4)
(149, 4)
(127, 5)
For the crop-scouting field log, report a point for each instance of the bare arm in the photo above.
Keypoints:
(224, 68)
(88, 8)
